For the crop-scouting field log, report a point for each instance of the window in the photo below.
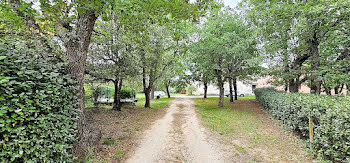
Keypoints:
(253, 87)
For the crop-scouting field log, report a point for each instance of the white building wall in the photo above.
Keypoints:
(245, 88)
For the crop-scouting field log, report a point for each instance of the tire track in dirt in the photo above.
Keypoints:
(178, 137)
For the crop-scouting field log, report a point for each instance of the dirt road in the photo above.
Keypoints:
(178, 137)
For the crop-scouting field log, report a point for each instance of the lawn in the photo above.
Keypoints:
(155, 103)
(250, 97)
(226, 120)
(250, 131)
(121, 129)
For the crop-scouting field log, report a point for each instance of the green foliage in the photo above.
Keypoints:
(106, 91)
(38, 102)
(330, 115)
(119, 153)
(127, 93)
(225, 48)
(101, 91)
(289, 30)
(121, 52)
(225, 44)
(156, 103)
(96, 92)
(108, 141)
(191, 88)
(221, 119)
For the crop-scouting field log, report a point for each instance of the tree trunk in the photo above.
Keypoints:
(235, 88)
(118, 83)
(146, 89)
(205, 89)
(286, 86)
(230, 85)
(285, 59)
(77, 47)
(341, 88)
(219, 77)
(221, 95)
(315, 63)
(336, 90)
(293, 86)
(76, 44)
(167, 88)
(328, 91)
(152, 93)
(147, 98)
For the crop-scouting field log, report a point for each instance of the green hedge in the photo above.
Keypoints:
(38, 114)
(127, 93)
(330, 115)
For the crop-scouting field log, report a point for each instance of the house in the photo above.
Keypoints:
(247, 88)
(302, 88)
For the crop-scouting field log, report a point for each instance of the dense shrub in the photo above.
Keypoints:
(127, 93)
(330, 115)
(95, 94)
(97, 91)
(88, 92)
(38, 114)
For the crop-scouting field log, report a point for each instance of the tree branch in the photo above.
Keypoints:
(299, 61)
(30, 23)
(99, 77)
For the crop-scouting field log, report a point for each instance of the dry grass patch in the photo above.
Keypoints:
(121, 130)
(254, 136)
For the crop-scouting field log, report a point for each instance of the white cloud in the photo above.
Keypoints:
(231, 3)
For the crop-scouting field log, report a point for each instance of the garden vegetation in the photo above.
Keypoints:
(329, 115)
(38, 99)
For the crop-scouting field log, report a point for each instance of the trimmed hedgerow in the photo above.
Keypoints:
(330, 116)
(38, 102)
(127, 93)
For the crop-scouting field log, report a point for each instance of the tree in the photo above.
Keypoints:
(112, 56)
(175, 75)
(301, 38)
(172, 76)
(156, 56)
(161, 48)
(190, 89)
(57, 19)
(200, 74)
(225, 47)
(72, 23)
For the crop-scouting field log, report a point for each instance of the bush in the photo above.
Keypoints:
(127, 93)
(330, 116)
(88, 91)
(96, 93)
(191, 89)
(38, 102)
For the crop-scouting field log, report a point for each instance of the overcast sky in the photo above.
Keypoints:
(231, 3)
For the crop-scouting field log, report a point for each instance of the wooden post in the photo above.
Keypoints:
(311, 130)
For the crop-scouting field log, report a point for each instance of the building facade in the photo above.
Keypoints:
(247, 88)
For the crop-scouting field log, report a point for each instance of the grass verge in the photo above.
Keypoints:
(251, 134)
(225, 120)
(155, 103)
(121, 129)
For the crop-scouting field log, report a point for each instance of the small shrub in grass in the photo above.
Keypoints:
(38, 114)
(127, 93)
(108, 141)
(96, 93)
(330, 116)
(88, 92)
(119, 154)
